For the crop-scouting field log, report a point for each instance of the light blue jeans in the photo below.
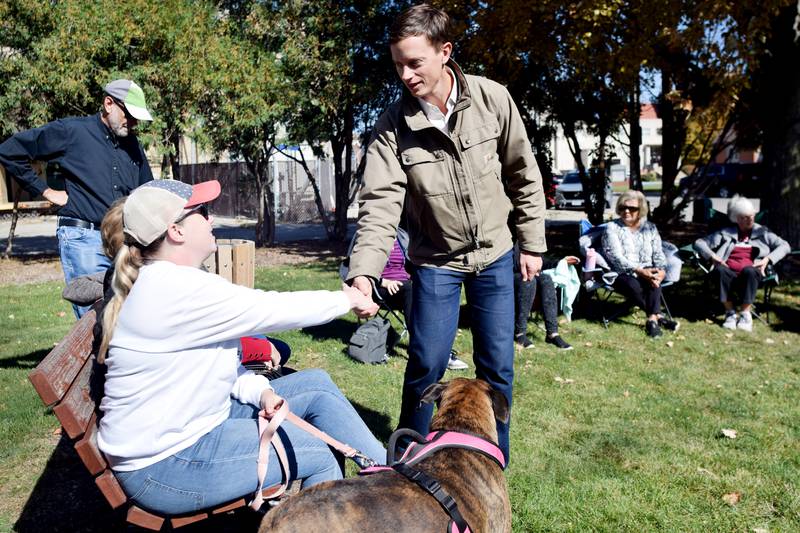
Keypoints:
(221, 466)
(81, 251)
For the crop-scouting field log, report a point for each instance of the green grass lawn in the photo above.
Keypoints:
(621, 434)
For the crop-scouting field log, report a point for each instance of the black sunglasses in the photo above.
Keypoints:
(630, 208)
(201, 209)
(124, 109)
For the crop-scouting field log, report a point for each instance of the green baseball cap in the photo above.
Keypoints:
(131, 96)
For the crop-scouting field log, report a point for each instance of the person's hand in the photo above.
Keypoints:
(363, 284)
(55, 197)
(392, 286)
(572, 260)
(530, 264)
(718, 260)
(362, 305)
(657, 276)
(761, 264)
(270, 403)
(646, 274)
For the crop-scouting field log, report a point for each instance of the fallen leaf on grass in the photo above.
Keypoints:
(626, 394)
(732, 498)
(567, 381)
(682, 338)
(729, 433)
(709, 321)
(760, 530)
(11, 317)
(706, 471)
(61, 313)
(57, 431)
(769, 341)
(729, 335)
(670, 344)
(588, 344)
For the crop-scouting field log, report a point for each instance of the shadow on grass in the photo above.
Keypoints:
(29, 360)
(65, 498)
(379, 423)
(339, 329)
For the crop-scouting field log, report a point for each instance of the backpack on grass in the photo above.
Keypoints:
(371, 341)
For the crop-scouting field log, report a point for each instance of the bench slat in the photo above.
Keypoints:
(111, 489)
(88, 451)
(186, 520)
(56, 372)
(142, 518)
(77, 407)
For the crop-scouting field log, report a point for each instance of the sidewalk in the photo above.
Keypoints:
(37, 235)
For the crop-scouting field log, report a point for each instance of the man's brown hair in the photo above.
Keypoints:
(421, 19)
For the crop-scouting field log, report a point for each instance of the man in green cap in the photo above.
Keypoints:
(101, 160)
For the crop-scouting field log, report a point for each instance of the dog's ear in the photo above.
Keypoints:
(499, 405)
(433, 393)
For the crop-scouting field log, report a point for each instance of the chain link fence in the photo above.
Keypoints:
(293, 193)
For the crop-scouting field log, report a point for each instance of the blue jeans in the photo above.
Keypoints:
(81, 251)
(433, 326)
(221, 466)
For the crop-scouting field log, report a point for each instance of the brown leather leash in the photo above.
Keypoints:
(268, 435)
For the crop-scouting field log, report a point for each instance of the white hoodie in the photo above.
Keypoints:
(173, 360)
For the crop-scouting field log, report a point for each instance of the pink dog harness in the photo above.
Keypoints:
(437, 440)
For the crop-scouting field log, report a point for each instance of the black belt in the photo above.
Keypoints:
(76, 222)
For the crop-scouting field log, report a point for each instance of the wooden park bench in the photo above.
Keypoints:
(62, 380)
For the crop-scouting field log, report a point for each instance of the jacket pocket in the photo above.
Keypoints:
(437, 225)
(426, 171)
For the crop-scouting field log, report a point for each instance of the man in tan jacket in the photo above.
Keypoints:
(452, 158)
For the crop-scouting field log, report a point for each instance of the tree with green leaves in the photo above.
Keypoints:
(58, 56)
(242, 112)
(336, 77)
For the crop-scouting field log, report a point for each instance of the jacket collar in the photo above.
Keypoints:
(732, 232)
(415, 116)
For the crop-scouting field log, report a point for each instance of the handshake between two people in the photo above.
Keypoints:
(360, 296)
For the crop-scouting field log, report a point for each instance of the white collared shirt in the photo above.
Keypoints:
(434, 114)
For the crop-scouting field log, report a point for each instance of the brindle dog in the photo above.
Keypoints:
(389, 502)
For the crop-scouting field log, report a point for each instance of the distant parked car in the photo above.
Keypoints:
(728, 179)
(569, 192)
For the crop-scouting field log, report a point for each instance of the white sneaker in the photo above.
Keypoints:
(730, 320)
(745, 322)
(456, 364)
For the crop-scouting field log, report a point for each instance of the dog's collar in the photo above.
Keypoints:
(437, 440)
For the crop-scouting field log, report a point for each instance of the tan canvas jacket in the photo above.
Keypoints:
(456, 192)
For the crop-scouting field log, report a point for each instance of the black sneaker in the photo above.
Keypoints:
(667, 323)
(652, 328)
(523, 341)
(558, 342)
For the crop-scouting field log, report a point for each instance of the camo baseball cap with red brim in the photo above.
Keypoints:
(152, 207)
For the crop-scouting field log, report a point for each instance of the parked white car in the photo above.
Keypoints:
(569, 192)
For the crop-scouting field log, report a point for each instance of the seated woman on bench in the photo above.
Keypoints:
(179, 414)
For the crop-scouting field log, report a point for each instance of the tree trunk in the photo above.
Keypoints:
(265, 219)
(673, 128)
(175, 155)
(342, 147)
(781, 147)
(13, 229)
(634, 115)
(317, 194)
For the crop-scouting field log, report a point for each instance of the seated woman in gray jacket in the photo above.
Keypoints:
(740, 254)
(632, 247)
